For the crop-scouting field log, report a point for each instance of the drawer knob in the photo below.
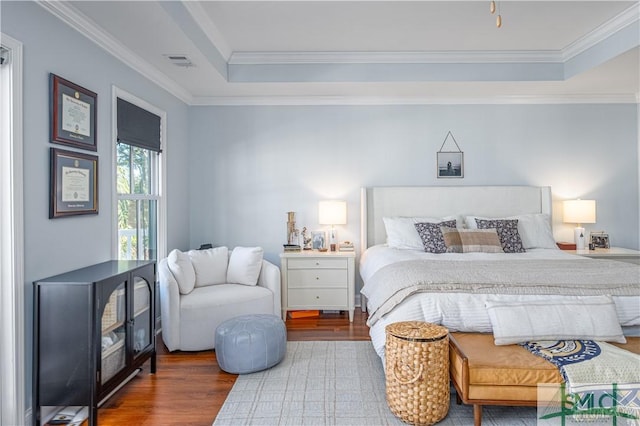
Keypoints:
(317, 297)
(317, 263)
(317, 278)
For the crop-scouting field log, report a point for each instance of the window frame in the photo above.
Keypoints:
(160, 169)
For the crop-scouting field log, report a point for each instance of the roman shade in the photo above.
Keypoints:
(138, 127)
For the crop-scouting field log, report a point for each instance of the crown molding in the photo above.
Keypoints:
(90, 30)
(601, 33)
(378, 100)
(465, 57)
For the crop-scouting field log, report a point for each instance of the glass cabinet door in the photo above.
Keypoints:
(142, 315)
(114, 334)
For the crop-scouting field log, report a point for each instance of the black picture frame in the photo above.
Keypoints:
(73, 114)
(450, 164)
(74, 183)
(600, 239)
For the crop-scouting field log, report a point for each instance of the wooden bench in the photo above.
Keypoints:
(485, 374)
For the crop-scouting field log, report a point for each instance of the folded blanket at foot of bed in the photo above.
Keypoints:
(599, 378)
(486, 374)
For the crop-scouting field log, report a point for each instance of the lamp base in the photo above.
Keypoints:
(579, 238)
(332, 239)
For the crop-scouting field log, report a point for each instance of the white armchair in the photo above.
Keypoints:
(193, 305)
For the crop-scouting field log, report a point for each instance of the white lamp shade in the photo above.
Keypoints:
(579, 211)
(332, 212)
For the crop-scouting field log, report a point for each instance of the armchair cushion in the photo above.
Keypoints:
(210, 265)
(182, 269)
(244, 265)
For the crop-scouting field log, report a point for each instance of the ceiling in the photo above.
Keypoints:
(310, 52)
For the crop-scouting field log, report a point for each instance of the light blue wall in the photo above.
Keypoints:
(250, 165)
(52, 246)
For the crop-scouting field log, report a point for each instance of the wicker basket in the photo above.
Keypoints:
(417, 371)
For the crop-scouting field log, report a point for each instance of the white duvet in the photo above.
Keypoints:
(462, 311)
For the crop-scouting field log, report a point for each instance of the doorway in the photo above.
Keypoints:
(12, 352)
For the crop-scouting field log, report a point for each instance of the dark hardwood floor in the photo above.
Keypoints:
(189, 388)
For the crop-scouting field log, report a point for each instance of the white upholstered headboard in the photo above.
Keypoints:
(440, 201)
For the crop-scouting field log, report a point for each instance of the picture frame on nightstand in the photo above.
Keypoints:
(318, 239)
(600, 239)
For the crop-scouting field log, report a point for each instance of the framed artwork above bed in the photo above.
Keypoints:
(450, 165)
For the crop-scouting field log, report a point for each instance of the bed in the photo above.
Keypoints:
(457, 301)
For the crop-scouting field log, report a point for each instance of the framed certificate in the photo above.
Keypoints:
(73, 114)
(74, 184)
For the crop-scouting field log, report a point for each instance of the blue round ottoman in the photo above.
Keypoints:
(250, 343)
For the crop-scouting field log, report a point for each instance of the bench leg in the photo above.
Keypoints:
(477, 414)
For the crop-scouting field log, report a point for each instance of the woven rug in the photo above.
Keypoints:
(334, 383)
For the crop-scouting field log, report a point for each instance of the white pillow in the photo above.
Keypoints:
(402, 233)
(534, 229)
(180, 266)
(244, 265)
(558, 318)
(210, 265)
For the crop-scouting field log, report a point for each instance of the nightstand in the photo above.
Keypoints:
(613, 253)
(318, 280)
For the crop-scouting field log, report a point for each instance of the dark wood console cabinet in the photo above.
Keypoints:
(93, 328)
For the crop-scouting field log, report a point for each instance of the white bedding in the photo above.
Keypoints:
(463, 311)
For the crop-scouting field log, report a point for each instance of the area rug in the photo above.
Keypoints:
(334, 383)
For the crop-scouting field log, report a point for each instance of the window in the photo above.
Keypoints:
(137, 202)
(138, 181)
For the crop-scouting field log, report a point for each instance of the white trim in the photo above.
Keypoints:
(390, 100)
(12, 340)
(453, 57)
(78, 21)
(601, 33)
(162, 167)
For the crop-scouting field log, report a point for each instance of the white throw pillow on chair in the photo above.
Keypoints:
(244, 265)
(180, 266)
(210, 265)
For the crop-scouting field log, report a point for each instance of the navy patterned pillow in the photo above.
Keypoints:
(507, 232)
(431, 235)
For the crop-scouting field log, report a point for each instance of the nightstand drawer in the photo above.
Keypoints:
(320, 297)
(306, 278)
(318, 262)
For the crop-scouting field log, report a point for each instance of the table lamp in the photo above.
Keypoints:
(579, 212)
(332, 212)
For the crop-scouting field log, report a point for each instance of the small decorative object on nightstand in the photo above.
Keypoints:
(563, 245)
(599, 239)
(346, 246)
(316, 280)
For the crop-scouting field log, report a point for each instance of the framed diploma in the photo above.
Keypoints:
(74, 184)
(73, 114)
